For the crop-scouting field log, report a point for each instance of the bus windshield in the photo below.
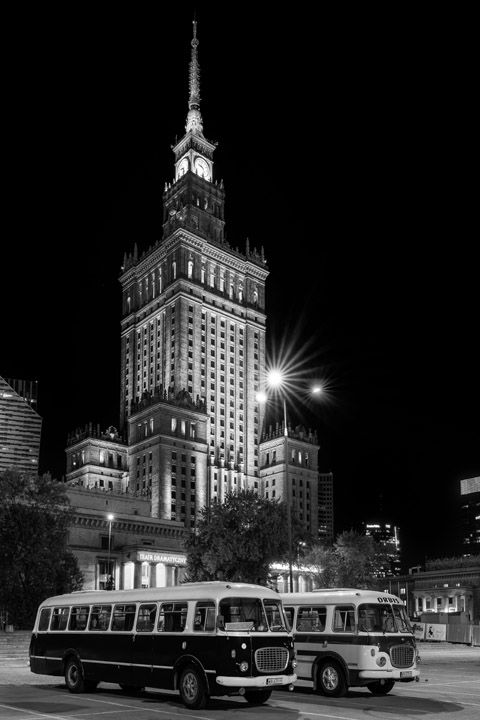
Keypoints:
(383, 618)
(243, 613)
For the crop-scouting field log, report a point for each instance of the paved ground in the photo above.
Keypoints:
(17, 670)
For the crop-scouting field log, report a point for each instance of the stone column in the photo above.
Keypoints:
(137, 575)
(153, 575)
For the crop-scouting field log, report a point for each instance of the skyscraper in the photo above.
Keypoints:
(20, 426)
(193, 359)
(193, 331)
(470, 515)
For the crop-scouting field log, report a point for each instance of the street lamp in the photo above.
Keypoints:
(276, 380)
(110, 518)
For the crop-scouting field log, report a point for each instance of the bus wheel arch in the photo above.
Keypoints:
(331, 677)
(73, 671)
(317, 665)
(192, 686)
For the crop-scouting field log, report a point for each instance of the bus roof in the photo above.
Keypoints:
(187, 591)
(355, 595)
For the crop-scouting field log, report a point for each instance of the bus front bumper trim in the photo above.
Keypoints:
(396, 674)
(256, 682)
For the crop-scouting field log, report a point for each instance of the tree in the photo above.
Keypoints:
(322, 563)
(350, 562)
(238, 539)
(356, 555)
(34, 560)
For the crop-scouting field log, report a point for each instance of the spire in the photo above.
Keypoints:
(194, 118)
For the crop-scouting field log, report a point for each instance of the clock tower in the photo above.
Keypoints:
(194, 199)
(193, 341)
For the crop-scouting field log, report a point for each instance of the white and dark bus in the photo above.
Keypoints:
(351, 638)
(200, 639)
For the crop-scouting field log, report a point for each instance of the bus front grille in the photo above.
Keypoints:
(271, 659)
(402, 656)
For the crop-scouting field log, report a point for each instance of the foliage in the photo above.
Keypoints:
(453, 563)
(34, 560)
(351, 561)
(237, 540)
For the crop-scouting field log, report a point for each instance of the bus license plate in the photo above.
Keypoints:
(406, 673)
(274, 681)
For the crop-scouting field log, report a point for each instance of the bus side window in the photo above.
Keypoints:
(146, 618)
(172, 617)
(289, 614)
(344, 619)
(100, 617)
(60, 618)
(78, 618)
(123, 617)
(44, 619)
(204, 616)
(210, 619)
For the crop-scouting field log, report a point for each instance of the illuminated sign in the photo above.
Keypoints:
(162, 558)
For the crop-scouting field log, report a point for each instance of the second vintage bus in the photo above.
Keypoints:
(351, 638)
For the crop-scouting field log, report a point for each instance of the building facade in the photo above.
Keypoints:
(387, 537)
(20, 426)
(193, 362)
(470, 515)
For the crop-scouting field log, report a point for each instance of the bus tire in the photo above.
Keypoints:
(74, 675)
(381, 687)
(191, 688)
(331, 679)
(257, 697)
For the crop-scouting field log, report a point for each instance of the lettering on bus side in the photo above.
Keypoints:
(392, 600)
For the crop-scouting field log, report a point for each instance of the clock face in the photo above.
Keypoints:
(201, 168)
(183, 167)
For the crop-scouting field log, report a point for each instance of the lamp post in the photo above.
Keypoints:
(287, 494)
(276, 380)
(110, 518)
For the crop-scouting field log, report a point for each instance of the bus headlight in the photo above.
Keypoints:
(381, 661)
(243, 666)
(294, 663)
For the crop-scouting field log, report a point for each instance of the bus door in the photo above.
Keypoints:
(168, 642)
(142, 657)
(118, 642)
(203, 642)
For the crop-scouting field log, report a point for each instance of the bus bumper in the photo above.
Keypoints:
(271, 681)
(397, 675)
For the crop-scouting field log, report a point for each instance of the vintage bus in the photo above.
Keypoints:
(351, 638)
(200, 639)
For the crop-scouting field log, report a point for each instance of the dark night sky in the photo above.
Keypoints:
(346, 147)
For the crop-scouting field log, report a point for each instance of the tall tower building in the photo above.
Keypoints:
(193, 339)
(470, 515)
(325, 508)
(387, 537)
(20, 426)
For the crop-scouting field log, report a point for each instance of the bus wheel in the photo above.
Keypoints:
(191, 688)
(74, 676)
(331, 679)
(257, 697)
(381, 687)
